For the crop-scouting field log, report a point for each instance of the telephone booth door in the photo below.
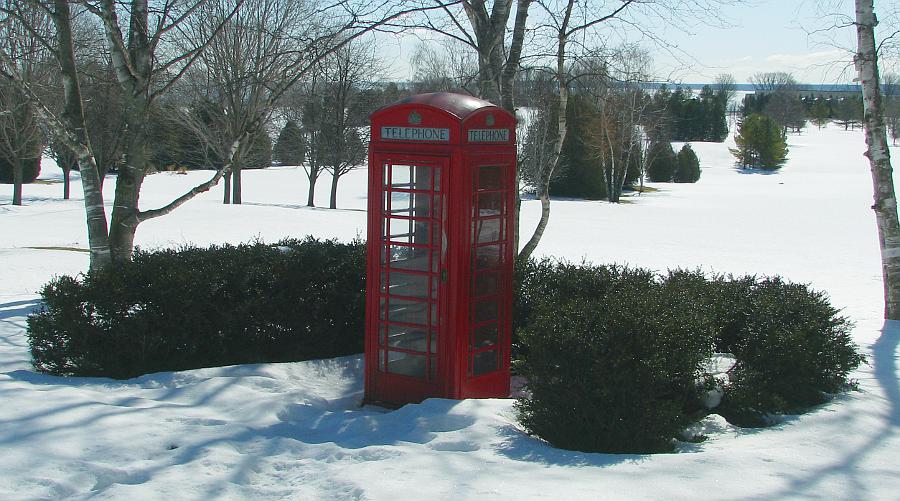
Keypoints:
(411, 271)
(491, 222)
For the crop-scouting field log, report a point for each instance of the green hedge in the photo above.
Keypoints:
(194, 307)
(615, 357)
(612, 361)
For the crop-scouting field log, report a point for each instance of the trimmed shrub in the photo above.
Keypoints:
(688, 165)
(192, 307)
(612, 362)
(793, 348)
(615, 358)
(662, 162)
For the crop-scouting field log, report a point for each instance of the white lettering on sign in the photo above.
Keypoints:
(488, 135)
(415, 133)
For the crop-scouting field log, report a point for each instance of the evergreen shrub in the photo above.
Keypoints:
(793, 351)
(615, 357)
(688, 166)
(200, 307)
(30, 170)
(662, 162)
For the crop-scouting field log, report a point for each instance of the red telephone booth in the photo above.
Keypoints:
(440, 249)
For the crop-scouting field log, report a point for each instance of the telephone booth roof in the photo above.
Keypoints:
(443, 118)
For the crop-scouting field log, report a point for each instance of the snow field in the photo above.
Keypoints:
(296, 431)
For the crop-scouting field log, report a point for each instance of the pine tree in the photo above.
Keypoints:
(819, 112)
(688, 170)
(760, 143)
(290, 149)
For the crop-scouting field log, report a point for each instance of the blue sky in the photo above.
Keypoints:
(759, 36)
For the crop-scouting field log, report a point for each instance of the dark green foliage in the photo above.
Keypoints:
(662, 162)
(760, 143)
(259, 154)
(695, 118)
(31, 169)
(290, 149)
(192, 307)
(580, 169)
(614, 356)
(688, 170)
(793, 350)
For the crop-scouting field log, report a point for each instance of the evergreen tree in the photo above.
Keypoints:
(259, 154)
(760, 143)
(662, 162)
(290, 149)
(581, 172)
(819, 112)
(688, 170)
(31, 169)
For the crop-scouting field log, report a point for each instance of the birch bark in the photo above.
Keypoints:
(879, 156)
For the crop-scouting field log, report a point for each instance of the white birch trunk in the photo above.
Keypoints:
(877, 152)
(543, 188)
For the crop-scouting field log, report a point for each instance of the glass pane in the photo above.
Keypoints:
(487, 256)
(484, 311)
(398, 203)
(484, 362)
(407, 338)
(401, 176)
(381, 360)
(422, 177)
(490, 204)
(406, 364)
(437, 180)
(487, 230)
(406, 311)
(406, 284)
(434, 342)
(487, 284)
(490, 178)
(434, 363)
(408, 258)
(408, 231)
(485, 335)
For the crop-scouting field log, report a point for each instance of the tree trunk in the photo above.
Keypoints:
(877, 152)
(126, 212)
(76, 134)
(311, 197)
(226, 199)
(17, 181)
(236, 185)
(547, 172)
(125, 216)
(66, 182)
(334, 182)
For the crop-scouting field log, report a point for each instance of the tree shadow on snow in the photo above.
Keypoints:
(850, 470)
(521, 447)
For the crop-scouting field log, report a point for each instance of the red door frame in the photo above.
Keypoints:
(382, 386)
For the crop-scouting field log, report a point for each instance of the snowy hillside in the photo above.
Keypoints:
(296, 431)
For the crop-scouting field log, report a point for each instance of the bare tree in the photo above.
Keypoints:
(146, 47)
(444, 69)
(21, 138)
(879, 156)
(338, 112)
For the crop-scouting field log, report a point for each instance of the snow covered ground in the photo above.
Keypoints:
(295, 431)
